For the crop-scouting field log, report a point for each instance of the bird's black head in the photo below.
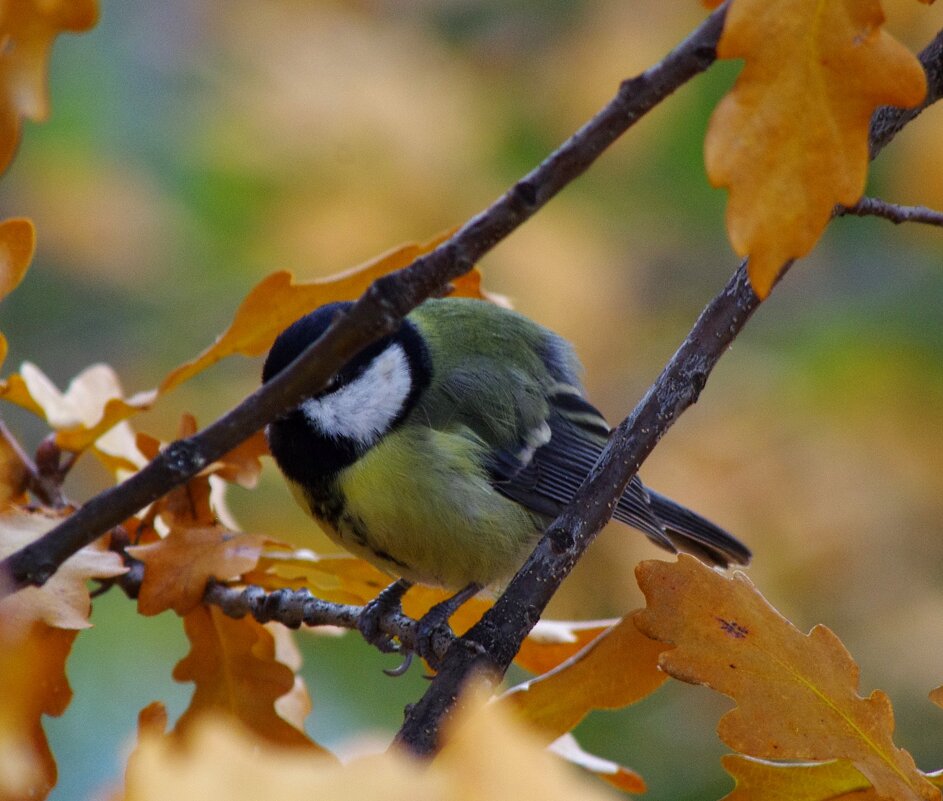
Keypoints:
(367, 398)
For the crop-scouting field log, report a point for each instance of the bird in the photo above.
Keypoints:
(441, 452)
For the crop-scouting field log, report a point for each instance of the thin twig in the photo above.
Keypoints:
(897, 214)
(378, 312)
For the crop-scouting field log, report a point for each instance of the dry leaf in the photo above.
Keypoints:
(27, 29)
(32, 664)
(17, 242)
(759, 780)
(236, 673)
(487, 754)
(551, 642)
(796, 694)
(277, 301)
(14, 475)
(177, 568)
(218, 759)
(619, 776)
(791, 139)
(616, 669)
(91, 410)
(486, 757)
(63, 601)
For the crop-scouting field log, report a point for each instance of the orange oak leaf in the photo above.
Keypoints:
(796, 693)
(798, 781)
(32, 664)
(234, 667)
(551, 642)
(616, 669)
(63, 601)
(277, 301)
(177, 567)
(790, 141)
(17, 243)
(14, 475)
(619, 776)
(27, 28)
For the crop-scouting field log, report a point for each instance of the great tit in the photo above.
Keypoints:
(441, 452)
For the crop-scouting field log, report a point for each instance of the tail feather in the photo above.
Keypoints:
(690, 532)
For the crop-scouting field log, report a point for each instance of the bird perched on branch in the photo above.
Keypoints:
(441, 452)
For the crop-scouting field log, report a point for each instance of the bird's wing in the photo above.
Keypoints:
(544, 472)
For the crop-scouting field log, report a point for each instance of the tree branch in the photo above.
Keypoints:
(874, 207)
(377, 313)
(488, 648)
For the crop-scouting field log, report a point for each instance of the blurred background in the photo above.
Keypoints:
(194, 147)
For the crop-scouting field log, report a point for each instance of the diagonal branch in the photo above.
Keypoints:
(377, 313)
(488, 648)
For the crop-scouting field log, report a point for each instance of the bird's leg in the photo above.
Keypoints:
(369, 621)
(438, 616)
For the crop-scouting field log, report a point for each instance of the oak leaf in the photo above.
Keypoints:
(234, 667)
(790, 141)
(796, 693)
(177, 567)
(64, 600)
(27, 29)
(32, 664)
(17, 243)
(14, 474)
(552, 642)
(619, 776)
(760, 780)
(616, 669)
(277, 301)
(90, 412)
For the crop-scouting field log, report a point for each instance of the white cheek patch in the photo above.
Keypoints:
(364, 409)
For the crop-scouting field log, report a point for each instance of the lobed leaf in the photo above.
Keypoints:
(32, 663)
(237, 675)
(17, 243)
(796, 694)
(27, 29)
(277, 301)
(177, 567)
(63, 601)
(616, 669)
(790, 141)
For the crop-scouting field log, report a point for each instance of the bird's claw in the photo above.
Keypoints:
(368, 623)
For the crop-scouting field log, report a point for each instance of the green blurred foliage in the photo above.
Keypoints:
(194, 147)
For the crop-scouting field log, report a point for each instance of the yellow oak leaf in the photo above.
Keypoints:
(32, 663)
(17, 242)
(63, 601)
(234, 667)
(790, 141)
(177, 567)
(277, 301)
(487, 753)
(796, 693)
(27, 29)
(616, 669)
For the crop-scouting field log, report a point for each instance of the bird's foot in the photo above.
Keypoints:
(369, 621)
(435, 621)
